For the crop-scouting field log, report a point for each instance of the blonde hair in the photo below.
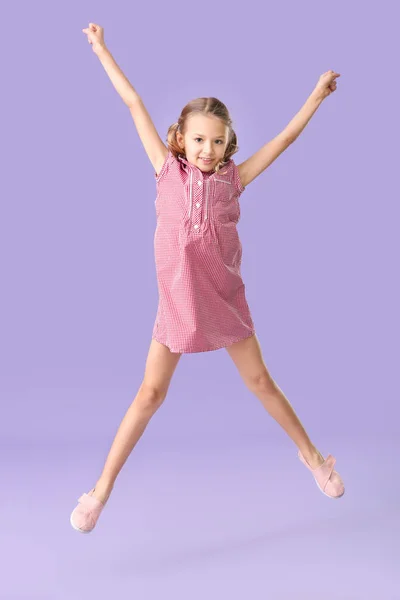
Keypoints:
(208, 107)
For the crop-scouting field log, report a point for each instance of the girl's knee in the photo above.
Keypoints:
(151, 396)
(261, 382)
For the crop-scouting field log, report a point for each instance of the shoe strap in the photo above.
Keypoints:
(326, 471)
(91, 502)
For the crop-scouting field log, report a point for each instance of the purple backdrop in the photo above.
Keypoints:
(213, 502)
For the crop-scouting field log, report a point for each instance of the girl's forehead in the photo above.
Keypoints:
(201, 124)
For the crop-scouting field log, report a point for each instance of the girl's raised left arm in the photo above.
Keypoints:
(258, 162)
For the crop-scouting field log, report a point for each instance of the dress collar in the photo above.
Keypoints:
(183, 159)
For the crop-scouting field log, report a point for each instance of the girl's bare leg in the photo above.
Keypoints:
(160, 367)
(247, 357)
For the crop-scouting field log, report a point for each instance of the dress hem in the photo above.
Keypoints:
(207, 349)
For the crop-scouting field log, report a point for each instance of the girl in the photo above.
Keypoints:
(202, 302)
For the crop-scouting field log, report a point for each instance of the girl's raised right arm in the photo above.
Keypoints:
(153, 144)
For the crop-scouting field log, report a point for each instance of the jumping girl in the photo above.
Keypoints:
(202, 302)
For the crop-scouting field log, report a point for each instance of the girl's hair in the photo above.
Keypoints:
(208, 107)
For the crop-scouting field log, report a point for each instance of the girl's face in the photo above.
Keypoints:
(205, 137)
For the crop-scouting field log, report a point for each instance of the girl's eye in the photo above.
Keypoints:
(220, 141)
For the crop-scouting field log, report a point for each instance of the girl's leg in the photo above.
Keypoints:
(247, 357)
(160, 367)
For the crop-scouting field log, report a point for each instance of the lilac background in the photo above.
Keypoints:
(213, 502)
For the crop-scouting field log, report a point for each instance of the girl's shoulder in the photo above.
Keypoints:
(169, 159)
(230, 172)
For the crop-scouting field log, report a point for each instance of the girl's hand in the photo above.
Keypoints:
(95, 36)
(326, 84)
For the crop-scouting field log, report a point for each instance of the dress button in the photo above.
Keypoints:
(196, 226)
(199, 182)
(197, 204)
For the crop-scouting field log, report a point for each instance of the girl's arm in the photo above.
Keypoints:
(123, 86)
(300, 120)
(258, 162)
(324, 88)
(153, 145)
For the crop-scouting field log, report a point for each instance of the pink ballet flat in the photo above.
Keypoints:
(84, 517)
(327, 479)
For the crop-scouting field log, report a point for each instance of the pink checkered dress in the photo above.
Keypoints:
(202, 302)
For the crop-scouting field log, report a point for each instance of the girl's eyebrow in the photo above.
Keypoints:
(202, 135)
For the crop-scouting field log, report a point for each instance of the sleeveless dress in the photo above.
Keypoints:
(202, 303)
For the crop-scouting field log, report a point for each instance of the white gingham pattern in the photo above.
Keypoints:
(202, 303)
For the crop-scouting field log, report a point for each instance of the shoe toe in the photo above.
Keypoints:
(82, 520)
(84, 516)
(334, 486)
